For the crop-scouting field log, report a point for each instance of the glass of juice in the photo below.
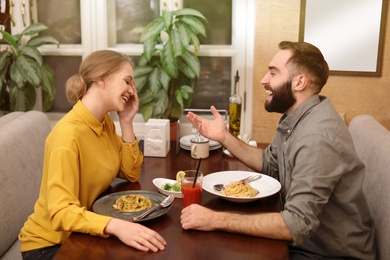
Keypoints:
(192, 192)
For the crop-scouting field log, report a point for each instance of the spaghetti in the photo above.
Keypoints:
(239, 189)
(132, 203)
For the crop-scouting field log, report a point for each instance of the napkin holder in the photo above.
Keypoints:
(157, 138)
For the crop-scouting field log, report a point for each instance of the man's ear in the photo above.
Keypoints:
(300, 82)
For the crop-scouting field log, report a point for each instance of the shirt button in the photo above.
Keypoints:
(288, 131)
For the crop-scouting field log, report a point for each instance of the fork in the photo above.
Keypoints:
(165, 203)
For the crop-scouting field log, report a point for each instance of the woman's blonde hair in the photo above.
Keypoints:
(97, 66)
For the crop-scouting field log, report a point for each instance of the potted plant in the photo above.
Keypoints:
(22, 71)
(169, 66)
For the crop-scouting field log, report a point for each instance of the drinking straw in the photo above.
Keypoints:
(197, 171)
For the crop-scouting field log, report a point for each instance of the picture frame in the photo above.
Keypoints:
(349, 33)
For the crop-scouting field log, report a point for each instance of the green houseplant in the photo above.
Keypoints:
(22, 70)
(169, 66)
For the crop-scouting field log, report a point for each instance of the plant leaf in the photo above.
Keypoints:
(29, 69)
(176, 43)
(161, 104)
(5, 60)
(40, 40)
(10, 40)
(22, 99)
(186, 91)
(142, 70)
(141, 75)
(195, 42)
(16, 76)
(142, 60)
(48, 88)
(169, 62)
(184, 33)
(187, 71)
(164, 80)
(145, 96)
(153, 29)
(154, 83)
(34, 29)
(192, 65)
(149, 48)
(32, 52)
(140, 82)
(167, 18)
(179, 97)
(147, 110)
(176, 110)
(189, 11)
(196, 25)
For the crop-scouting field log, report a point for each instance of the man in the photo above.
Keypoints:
(325, 212)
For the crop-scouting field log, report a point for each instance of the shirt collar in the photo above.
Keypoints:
(86, 115)
(288, 122)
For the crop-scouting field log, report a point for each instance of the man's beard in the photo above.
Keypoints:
(282, 99)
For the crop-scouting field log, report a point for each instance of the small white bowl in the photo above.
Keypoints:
(159, 182)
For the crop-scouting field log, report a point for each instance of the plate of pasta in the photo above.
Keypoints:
(128, 204)
(261, 188)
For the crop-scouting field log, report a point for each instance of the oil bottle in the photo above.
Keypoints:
(235, 108)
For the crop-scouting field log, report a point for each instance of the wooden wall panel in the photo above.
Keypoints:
(351, 95)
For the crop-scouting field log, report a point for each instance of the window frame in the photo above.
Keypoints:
(94, 35)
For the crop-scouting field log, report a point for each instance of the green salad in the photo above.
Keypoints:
(172, 187)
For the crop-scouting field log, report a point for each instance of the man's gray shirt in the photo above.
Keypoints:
(313, 157)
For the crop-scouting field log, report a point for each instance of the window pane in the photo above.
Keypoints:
(63, 67)
(5, 20)
(219, 20)
(213, 86)
(130, 17)
(62, 18)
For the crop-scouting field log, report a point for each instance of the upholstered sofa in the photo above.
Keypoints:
(372, 143)
(22, 141)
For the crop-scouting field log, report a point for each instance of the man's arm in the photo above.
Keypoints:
(268, 225)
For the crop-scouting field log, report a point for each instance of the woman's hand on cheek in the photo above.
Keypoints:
(131, 108)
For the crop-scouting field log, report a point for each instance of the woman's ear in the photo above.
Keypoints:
(101, 83)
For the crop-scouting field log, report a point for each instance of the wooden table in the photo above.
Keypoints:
(183, 244)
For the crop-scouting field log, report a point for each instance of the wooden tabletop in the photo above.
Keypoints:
(183, 244)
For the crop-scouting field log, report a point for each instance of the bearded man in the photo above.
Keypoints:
(325, 213)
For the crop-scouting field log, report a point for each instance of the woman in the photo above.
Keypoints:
(83, 155)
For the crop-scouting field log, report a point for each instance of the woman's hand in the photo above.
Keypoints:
(127, 115)
(135, 235)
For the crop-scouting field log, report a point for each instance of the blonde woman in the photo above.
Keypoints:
(83, 155)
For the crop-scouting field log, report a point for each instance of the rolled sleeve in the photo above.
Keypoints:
(131, 162)
(309, 191)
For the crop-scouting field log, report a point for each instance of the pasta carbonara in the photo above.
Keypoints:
(239, 189)
(132, 203)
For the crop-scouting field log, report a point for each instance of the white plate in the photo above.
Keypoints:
(266, 186)
(186, 141)
(159, 182)
(212, 148)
